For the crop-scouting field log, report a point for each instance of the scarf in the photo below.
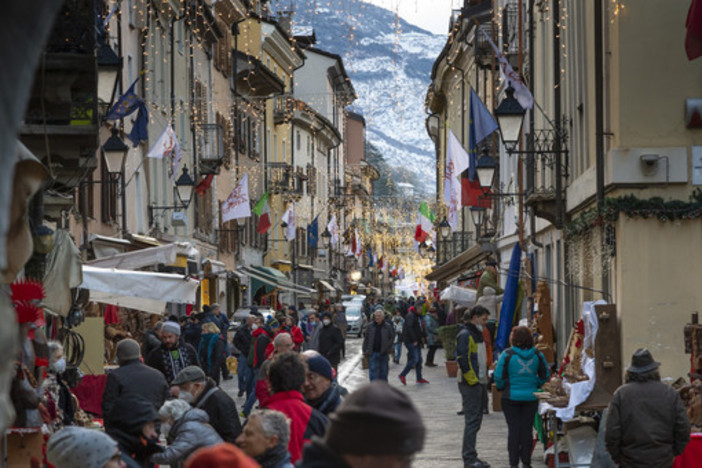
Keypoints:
(273, 457)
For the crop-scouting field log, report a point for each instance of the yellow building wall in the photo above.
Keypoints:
(249, 40)
(654, 76)
(658, 266)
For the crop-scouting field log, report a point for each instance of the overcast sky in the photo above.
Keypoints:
(432, 15)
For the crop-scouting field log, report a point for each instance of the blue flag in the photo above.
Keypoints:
(370, 257)
(125, 105)
(481, 125)
(140, 130)
(313, 233)
(509, 302)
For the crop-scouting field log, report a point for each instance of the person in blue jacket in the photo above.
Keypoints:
(521, 371)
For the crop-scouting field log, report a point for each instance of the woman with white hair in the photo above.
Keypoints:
(59, 399)
(265, 438)
(186, 430)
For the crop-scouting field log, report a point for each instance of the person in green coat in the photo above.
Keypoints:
(490, 277)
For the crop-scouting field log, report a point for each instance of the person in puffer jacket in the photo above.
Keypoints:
(521, 371)
(186, 430)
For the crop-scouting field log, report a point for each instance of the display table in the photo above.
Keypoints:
(692, 455)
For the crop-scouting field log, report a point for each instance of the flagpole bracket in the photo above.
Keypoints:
(152, 208)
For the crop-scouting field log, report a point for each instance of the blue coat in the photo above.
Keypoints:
(520, 372)
(432, 327)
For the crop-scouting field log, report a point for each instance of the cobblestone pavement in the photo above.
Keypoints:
(438, 402)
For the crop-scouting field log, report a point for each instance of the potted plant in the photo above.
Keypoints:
(447, 335)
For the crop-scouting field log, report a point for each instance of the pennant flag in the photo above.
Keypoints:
(125, 105)
(371, 257)
(333, 230)
(140, 130)
(204, 184)
(381, 262)
(480, 126)
(693, 24)
(289, 219)
(521, 92)
(313, 233)
(509, 302)
(237, 205)
(263, 211)
(425, 222)
(456, 163)
(374, 259)
(167, 145)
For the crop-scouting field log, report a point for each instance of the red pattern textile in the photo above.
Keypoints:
(89, 393)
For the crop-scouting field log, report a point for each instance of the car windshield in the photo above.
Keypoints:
(353, 311)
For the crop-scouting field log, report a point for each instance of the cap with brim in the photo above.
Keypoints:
(642, 362)
(189, 374)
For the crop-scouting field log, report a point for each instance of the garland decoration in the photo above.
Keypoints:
(634, 207)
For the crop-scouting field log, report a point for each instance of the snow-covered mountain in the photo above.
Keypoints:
(389, 62)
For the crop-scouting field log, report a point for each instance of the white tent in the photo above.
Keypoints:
(165, 254)
(141, 290)
(463, 296)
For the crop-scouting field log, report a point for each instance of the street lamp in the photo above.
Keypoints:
(109, 66)
(326, 235)
(486, 168)
(510, 116)
(114, 150)
(185, 186)
(444, 228)
(423, 250)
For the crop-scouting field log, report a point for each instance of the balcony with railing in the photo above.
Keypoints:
(547, 173)
(282, 109)
(280, 177)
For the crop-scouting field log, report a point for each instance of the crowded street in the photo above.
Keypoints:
(351, 234)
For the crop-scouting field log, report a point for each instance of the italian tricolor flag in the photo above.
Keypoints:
(425, 223)
(263, 211)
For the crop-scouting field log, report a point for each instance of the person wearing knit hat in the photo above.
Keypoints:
(220, 456)
(320, 390)
(377, 425)
(174, 354)
(77, 447)
(132, 378)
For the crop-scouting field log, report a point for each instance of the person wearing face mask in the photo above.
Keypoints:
(134, 428)
(202, 393)
(331, 341)
(173, 355)
(186, 429)
(59, 398)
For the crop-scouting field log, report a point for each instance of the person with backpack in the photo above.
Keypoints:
(521, 370)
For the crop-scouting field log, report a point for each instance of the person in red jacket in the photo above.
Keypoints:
(291, 327)
(286, 374)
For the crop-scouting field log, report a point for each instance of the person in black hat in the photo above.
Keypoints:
(331, 341)
(647, 424)
(375, 426)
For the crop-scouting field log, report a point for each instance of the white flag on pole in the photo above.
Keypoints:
(457, 161)
(167, 145)
(333, 230)
(237, 204)
(359, 241)
(289, 219)
(521, 92)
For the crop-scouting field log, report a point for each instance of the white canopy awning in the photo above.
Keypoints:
(460, 295)
(165, 254)
(141, 290)
(327, 285)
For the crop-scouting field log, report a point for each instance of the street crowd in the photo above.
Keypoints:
(163, 404)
